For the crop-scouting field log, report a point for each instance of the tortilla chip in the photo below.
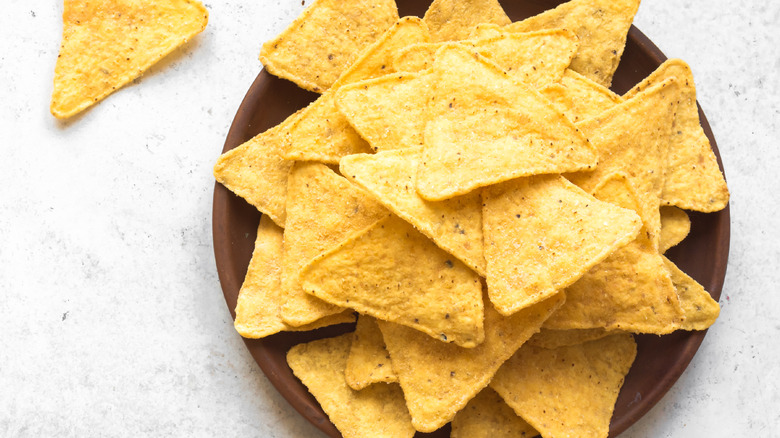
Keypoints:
(552, 339)
(570, 391)
(698, 306)
(452, 20)
(326, 39)
(693, 179)
(377, 411)
(542, 234)
(485, 128)
(633, 137)
(487, 416)
(438, 379)
(602, 27)
(390, 111)
(392, 272)
(579, 97)
(368, 361)
(322, 133)
(107, 44)
(630, 290)
(675, 226)
(257, 172)
(323, 209)
(455, 225)
(260, 298)
(534, 58)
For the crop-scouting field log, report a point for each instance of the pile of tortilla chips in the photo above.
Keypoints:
(497, 219)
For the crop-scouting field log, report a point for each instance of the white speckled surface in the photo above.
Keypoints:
(111, 314)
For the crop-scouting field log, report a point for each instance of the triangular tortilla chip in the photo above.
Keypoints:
(534, 58)
(452, 20)
(368, 361)
(579, 97)
(542, 234)
(675, 226)
(260, 298)
(438, 379)
(602, 27)
(455, 225)
(633, 138)
(699, 308)
(630, 290)
(107, 44)
(257, 172)
(569, 391)
(325, 39)
(552, 339)
(322, 133)
(390, 111)
(323, 209)
(485, 128)
(392, 272)
(487, 416)
(377, 411)
(693, 179)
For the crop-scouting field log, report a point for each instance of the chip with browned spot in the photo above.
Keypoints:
(698, 306)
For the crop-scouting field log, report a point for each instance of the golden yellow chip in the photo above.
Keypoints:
(693, 179)
(107, 44)
(368, 361)
(322, 133)
(260, 298)
(633, 137)
(485, 128)
(630, 290)
(257, 172)
(452, 20)
(602, 27)
(455, 225)
(377, 411)
(569, 391)
(389, 111)
(487, 416)
(579, 97)
(534, 58)
(323, 209)
(392, 272)
(438, 379)
(675, 226)
(326, 39)
(699, 308)
(552, 339)
(542, 234)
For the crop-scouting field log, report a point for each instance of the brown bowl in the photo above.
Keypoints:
(660, 360)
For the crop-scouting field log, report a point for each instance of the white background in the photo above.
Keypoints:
(111, 315)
